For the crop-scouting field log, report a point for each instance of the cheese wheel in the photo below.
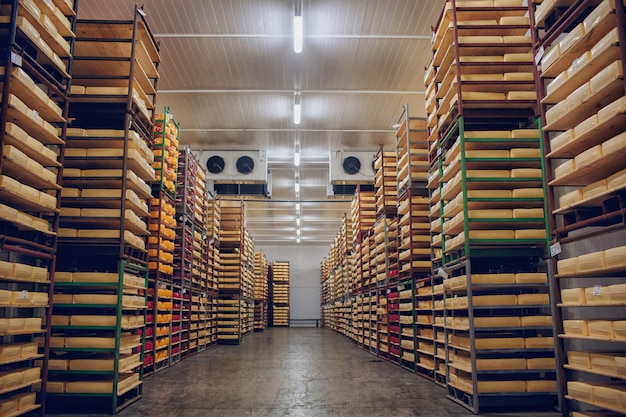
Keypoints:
(528, 193)
(590, 261)
(482, 95)
(617, 180)
(526, 173)
(539, 343)
(514, 20)
(615, 256)
(600, 328)
(611, 110)
(533, 299)
(525, 153)
(576, 327)
(531, 213)
(519, 76)
(573, 296)
(570, 198)
(579, 359)
(492, 234)
(586, 126)
(562, 139)
(517, 39)
(533, 321)
(567, 266)
(579, 96)
(595, 189)
(541, 386)
(519, 57)
(76, 90)
(588, 157)
(565, 168)
(531, 278)
(615, 145)
(557, 112)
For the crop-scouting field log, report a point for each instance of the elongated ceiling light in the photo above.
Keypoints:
(296, 156)
(297, 28)
(297, 109)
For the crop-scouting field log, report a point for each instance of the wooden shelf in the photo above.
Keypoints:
(584, 44)
(608, 128)
(583, 74)
(594, 171)
(23, 87)
(19, 114)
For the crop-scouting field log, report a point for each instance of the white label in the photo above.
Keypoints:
(24, 294)
(442, 273)
(16, 59)
(539, 55)
(141, 12)
(525, 3)
(555, 249)
(597, 290)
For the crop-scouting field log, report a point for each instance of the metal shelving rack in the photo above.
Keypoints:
(393, 315)
(261, 270)
(158, 347)
(102, 263)
(281, 276)
(183, 253)
(35, 69)
(580, 47)
(489, 225)
(406, 311)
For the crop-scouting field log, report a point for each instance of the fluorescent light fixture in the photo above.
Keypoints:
(297, 187)
(298, 232)
(297, 34)
(297, 206)
(298, 221)
(298, 239)
(297, 113)
(296, 156)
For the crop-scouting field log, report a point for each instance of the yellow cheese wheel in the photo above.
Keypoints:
(562, 139)
(576, 327)
(595, 189)
(528, 193)
(525, 153)
(615, 256)
(600, 328)
(526, 173)
(521, 95)
(579, 359)
(573, 296)
(541, 386)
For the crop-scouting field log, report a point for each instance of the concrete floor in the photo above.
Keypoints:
(293, 372)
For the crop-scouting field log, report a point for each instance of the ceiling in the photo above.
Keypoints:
(228, 72)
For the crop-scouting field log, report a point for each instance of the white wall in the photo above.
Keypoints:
(304, 274)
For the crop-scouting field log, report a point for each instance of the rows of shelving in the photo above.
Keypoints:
(280, 293)
(581, 50)
(35, 79)
(99, 305)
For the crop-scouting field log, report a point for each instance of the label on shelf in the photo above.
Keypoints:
(442, 273)
(597, 290)
(555, 249)
(24, 294)
(16, 59)
(539, 54)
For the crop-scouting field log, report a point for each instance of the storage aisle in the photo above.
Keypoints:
(293, 372)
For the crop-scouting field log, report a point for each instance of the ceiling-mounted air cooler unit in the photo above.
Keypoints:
(351, 167)
(235, 167)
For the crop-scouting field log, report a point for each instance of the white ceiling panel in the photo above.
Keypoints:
(228, 73)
